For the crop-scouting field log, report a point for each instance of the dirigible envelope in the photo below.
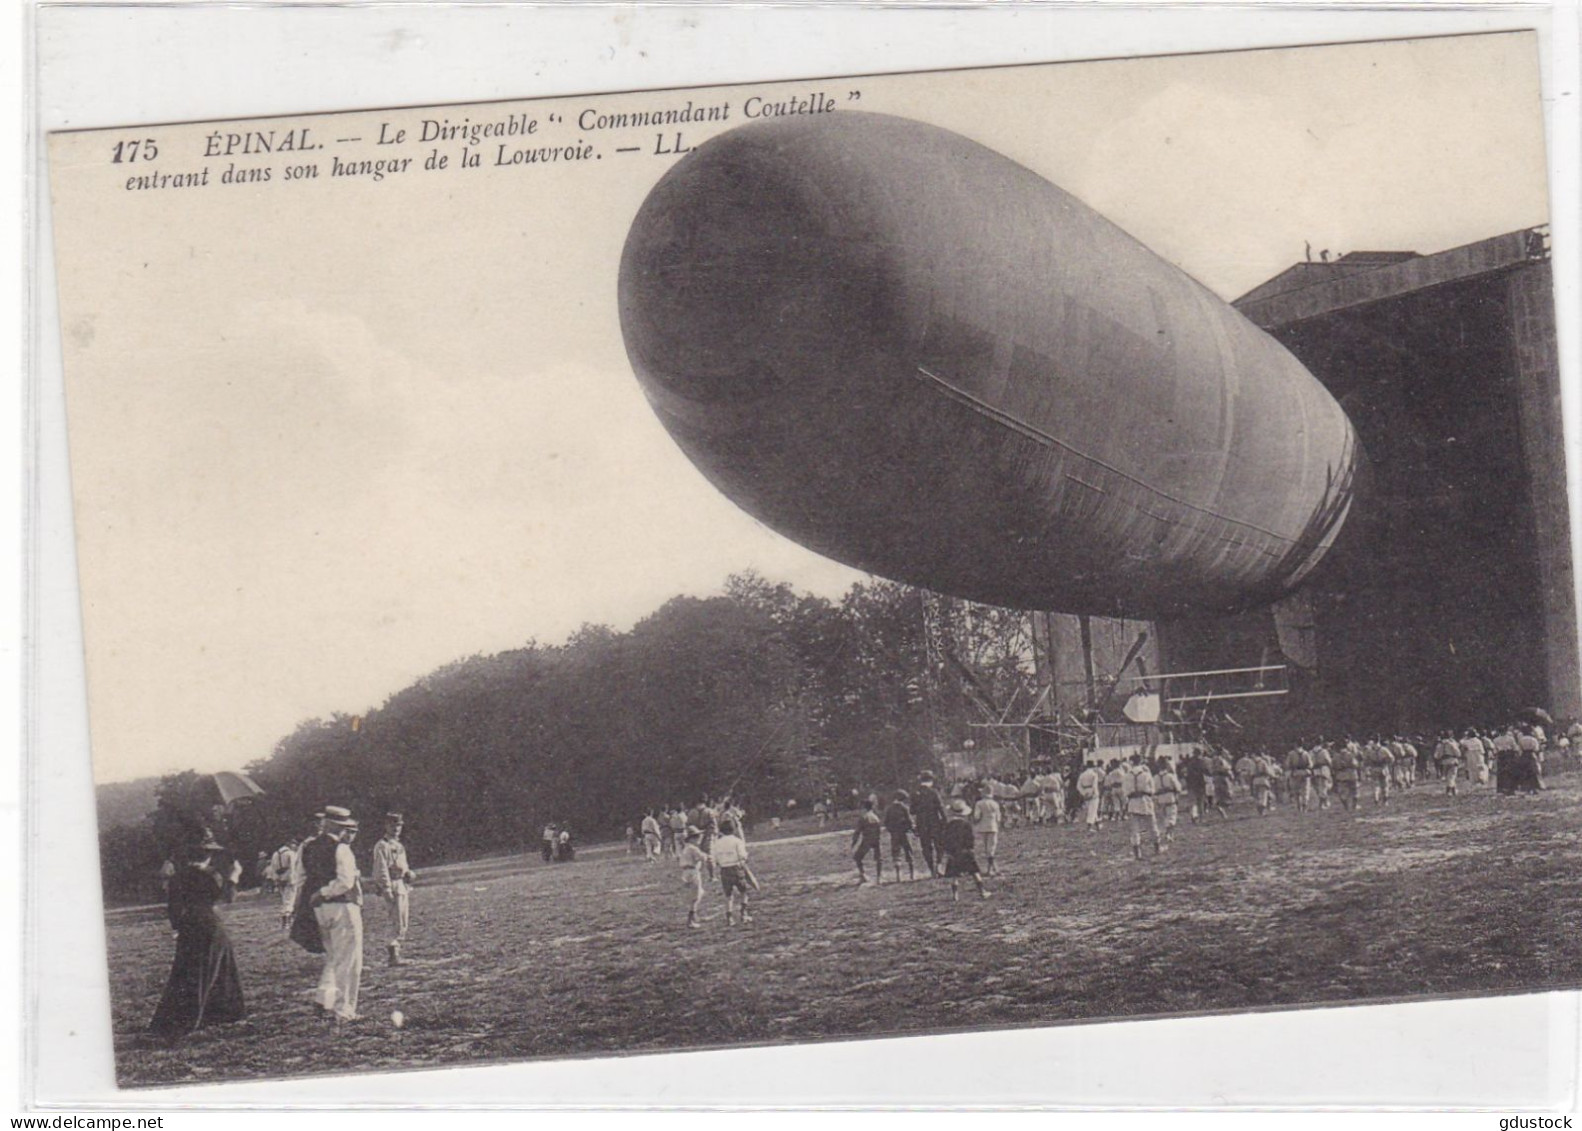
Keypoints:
(917, 357)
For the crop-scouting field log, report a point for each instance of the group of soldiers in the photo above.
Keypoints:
(1150, 793)
(664, 829)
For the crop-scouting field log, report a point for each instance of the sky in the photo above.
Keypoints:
(329, 435)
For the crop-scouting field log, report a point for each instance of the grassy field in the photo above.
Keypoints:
(512, 959)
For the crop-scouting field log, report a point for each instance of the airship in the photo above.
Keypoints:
(917, 357)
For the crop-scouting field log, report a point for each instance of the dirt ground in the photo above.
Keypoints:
(513, 959)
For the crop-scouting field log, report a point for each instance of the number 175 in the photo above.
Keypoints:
(145, 150)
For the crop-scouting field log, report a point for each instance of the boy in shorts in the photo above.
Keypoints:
(730, 853)
(986, 820)
(956, 841)
(865, 839)
(693, 858)
(898, 823)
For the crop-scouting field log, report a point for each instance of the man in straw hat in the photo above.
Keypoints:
(335, 894)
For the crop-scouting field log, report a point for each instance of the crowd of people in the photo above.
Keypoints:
(957, 833)
(321, 908)
(664, 828)
(1149, 794)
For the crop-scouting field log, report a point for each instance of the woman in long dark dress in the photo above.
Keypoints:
(205, 987)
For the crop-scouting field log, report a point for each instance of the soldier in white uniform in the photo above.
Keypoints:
(1447, 756)
(1476, 755)
(283, 871)
(1138, 788)
(1323, 773)
(391, 880)
(1089, 783)
(1167, 790)
(1299, 768)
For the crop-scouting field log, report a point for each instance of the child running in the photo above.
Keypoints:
(898, 822)
(956, 841)
(865, 839)
(693, 858)
(730, 853)
(986, 820)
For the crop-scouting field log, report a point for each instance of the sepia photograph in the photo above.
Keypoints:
(856, 557)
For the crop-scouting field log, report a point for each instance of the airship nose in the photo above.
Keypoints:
(734, 267)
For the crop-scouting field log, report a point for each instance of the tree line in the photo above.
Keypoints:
(761, 692)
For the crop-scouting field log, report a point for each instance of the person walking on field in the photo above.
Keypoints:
(1244, 770)
(898, 823)
(707, 820)
(678, 830)
(956, 841)
(730, 853)
(1139, 789)
(1529, 761)
(928, 815)
(865, 840)
(1194, 773)
(1261, 783)
(651, 838)
(1476, 754)
(1323, 773)
(1299, 770)
(1221, 772)
(1113, 807)
(1053, 788)
(1380, 766)
(1029, 797)
(392, 880)
(693, 858)
(1089, 784)
(986, 820)
(1404, 764)
(283, 867)
(1348, 775)
(335, 893)
(1447, 756)
(1167, 790)
(204, 987)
